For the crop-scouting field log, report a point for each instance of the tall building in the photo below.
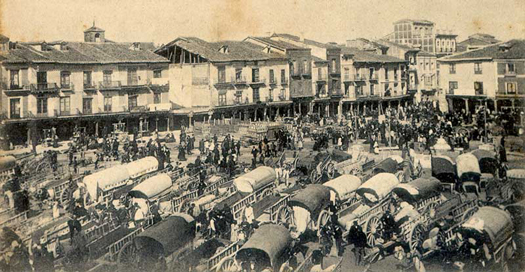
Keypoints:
(228, 79)
(97, 85)
(494, 74)
(423, 34)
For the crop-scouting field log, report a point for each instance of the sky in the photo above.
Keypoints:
(161, 21)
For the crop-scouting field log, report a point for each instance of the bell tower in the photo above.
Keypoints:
(94, 34)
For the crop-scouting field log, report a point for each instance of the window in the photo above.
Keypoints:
(452, 68)
(132, 77)
(132, 102)
(282, 94)
(65, 104)
(334, 66)
(238, 96)
(270, 95)
(293, 68)
(371, 89)
(395, 74)
(157, 73)
(221, 74)
(387, 90)
(87, 105)
(511, 69)
(255, 74)
(238, 75)
(14, 79)
(452, 85)
(14, 108)
(477, 68)
(157, 98)
(478, 88)
(222, 99)
(65, 79)
(256, 97)
(305, 67)
(41, 105)
(283, 76)
(87, 79)
(108, 101)
(511, 87)
(272, 76)
(386, 73)
(106, 77)
(41, 80)
(347, 73)
(372, 72)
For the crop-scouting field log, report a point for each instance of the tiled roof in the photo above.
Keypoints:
(3, 39)
(278, 44)
(94, 29)
(81, 53)
(415, 21)
(513, 49)
(362, 56)
(237, 50)
(402, 46)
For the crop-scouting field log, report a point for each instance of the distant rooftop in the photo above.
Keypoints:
(423, 22)
(513, 49)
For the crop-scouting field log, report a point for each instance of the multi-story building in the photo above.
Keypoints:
(356, 77)
(228, 79)
(98, 85)
(476, 41)
(421, 33)
(494, 74)
(300, 67)
(320, 76)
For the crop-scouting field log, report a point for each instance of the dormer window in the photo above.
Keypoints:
(224, 49)
(97, 37)
(267, 50)
(64, 47)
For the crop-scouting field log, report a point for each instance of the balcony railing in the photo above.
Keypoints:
(44, 87)
(108, 85)
(284, 81)
(358, 77)
(510, 73)
(239, 80)
(89, 86)
(258, 81)
(69, 86)
(321, 77)
(282, 97)
(479, 92)
(273, 81)
(374, 77)
(478, 72)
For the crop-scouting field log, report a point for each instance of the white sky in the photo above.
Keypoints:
(161, 21)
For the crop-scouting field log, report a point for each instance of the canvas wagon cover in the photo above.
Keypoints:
(167, 236)
(379, 186)
(496, 223)
(151, 187)
(105, 178)
(468, 167)
(516, 173)
(267, 242)
(487, 160)
(254, 180)
(418, 189)
(311, 198)
(387, 165)
(139, 166)
(443, 165)
(344, 185)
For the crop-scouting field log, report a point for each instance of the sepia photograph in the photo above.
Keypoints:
(262, 135)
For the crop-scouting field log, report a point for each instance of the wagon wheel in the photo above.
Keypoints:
(322, 220)
(330, 170)
(266, 193)
(64, 196)
(314, 176)
(416, 237)
(127, 255)
(227, 264)
(284, 216)
(183, 206)
(191, 186)
(468, 214)
(373, 229)
(431, 209)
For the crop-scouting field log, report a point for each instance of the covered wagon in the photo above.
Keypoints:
(142, 166)
(488, 164)
(152, 188)
(444, 169)
(388, 165)
(343, 187)
(422, 193)
(99, 183)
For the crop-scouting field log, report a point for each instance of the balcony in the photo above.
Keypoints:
(321, 78)
(89, 86)
(109, 85)
(134, 83)
(67, 87)
(62, 113)
(14, 89)
(44, 88)
(480, 92)
(358, 77)
(284, 81)
(374, 77)
(282, 97)
(258, 81)
(510, 73)
(239, 80)
(273, 81)
(158, 84)
(478, 72)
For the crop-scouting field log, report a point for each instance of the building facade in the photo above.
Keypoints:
(227, 79)
(493, 74)
(422, 34)
(91, 85)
